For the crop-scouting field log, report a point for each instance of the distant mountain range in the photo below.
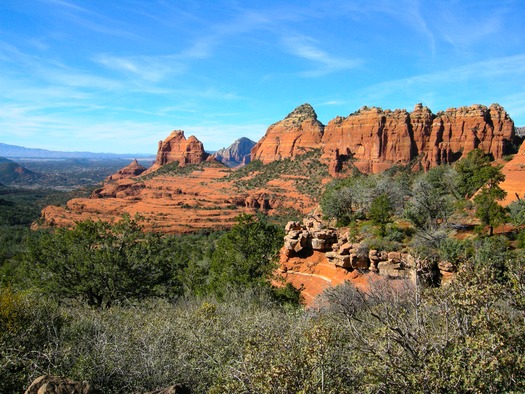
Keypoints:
(236, 154)
(14, 151)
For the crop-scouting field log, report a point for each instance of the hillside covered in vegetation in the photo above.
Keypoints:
(135, 311)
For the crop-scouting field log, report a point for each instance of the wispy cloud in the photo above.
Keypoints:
(494, 80)
(86, 18)
(463, 28)
(325, 63)
(331, 103)
(122, 136)
(149, 68)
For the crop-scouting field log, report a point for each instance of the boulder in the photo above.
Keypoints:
(446, 266)
(392, 269)
(360, 261)
(319, 244)
(57, 385)
(343, 261)
(345, 248)
(292, 226)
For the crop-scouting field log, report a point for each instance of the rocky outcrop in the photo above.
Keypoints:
(131, 170)
(176, 148)
(315, 257)
(236, 154)
(456, 132)
(514, 183)
(374, 140)
(340, 251)
(290, 137)
(57, 385)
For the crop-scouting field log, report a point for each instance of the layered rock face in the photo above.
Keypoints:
(456, 132)
(290, 137)
(236, 154)
(177, 148)
(375, 139)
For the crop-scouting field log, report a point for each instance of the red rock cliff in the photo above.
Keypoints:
(177, 148)
(456, 132)
(288, 138)
(377, 139)
(373, 138)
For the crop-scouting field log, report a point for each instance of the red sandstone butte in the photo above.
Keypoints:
(375, 139)
(176, 148)
(290, 137)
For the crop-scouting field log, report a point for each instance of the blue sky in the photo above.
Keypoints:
(118, 76)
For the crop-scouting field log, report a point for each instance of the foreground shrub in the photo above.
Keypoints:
(29, 325)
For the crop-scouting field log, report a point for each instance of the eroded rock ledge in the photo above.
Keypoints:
(324, 256)
(303, 238)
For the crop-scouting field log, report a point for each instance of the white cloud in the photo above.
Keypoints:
(149, 68)
(325, 63)
(486, 70)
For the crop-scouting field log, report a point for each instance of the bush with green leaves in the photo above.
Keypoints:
(246, 255)
(474, 171)
(101, 263)
(464, 337)
(432, 199)
(517, 212)
(346, 200)
(29, 324)
(395, 336)
(381, 212)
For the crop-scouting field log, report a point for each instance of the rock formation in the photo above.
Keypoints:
(236, 154)
(290, 137)
(131, 170)
(374, 140)
(57, 385)
(209, 195)
(176, 148)
(514, 183)
(315, 257)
